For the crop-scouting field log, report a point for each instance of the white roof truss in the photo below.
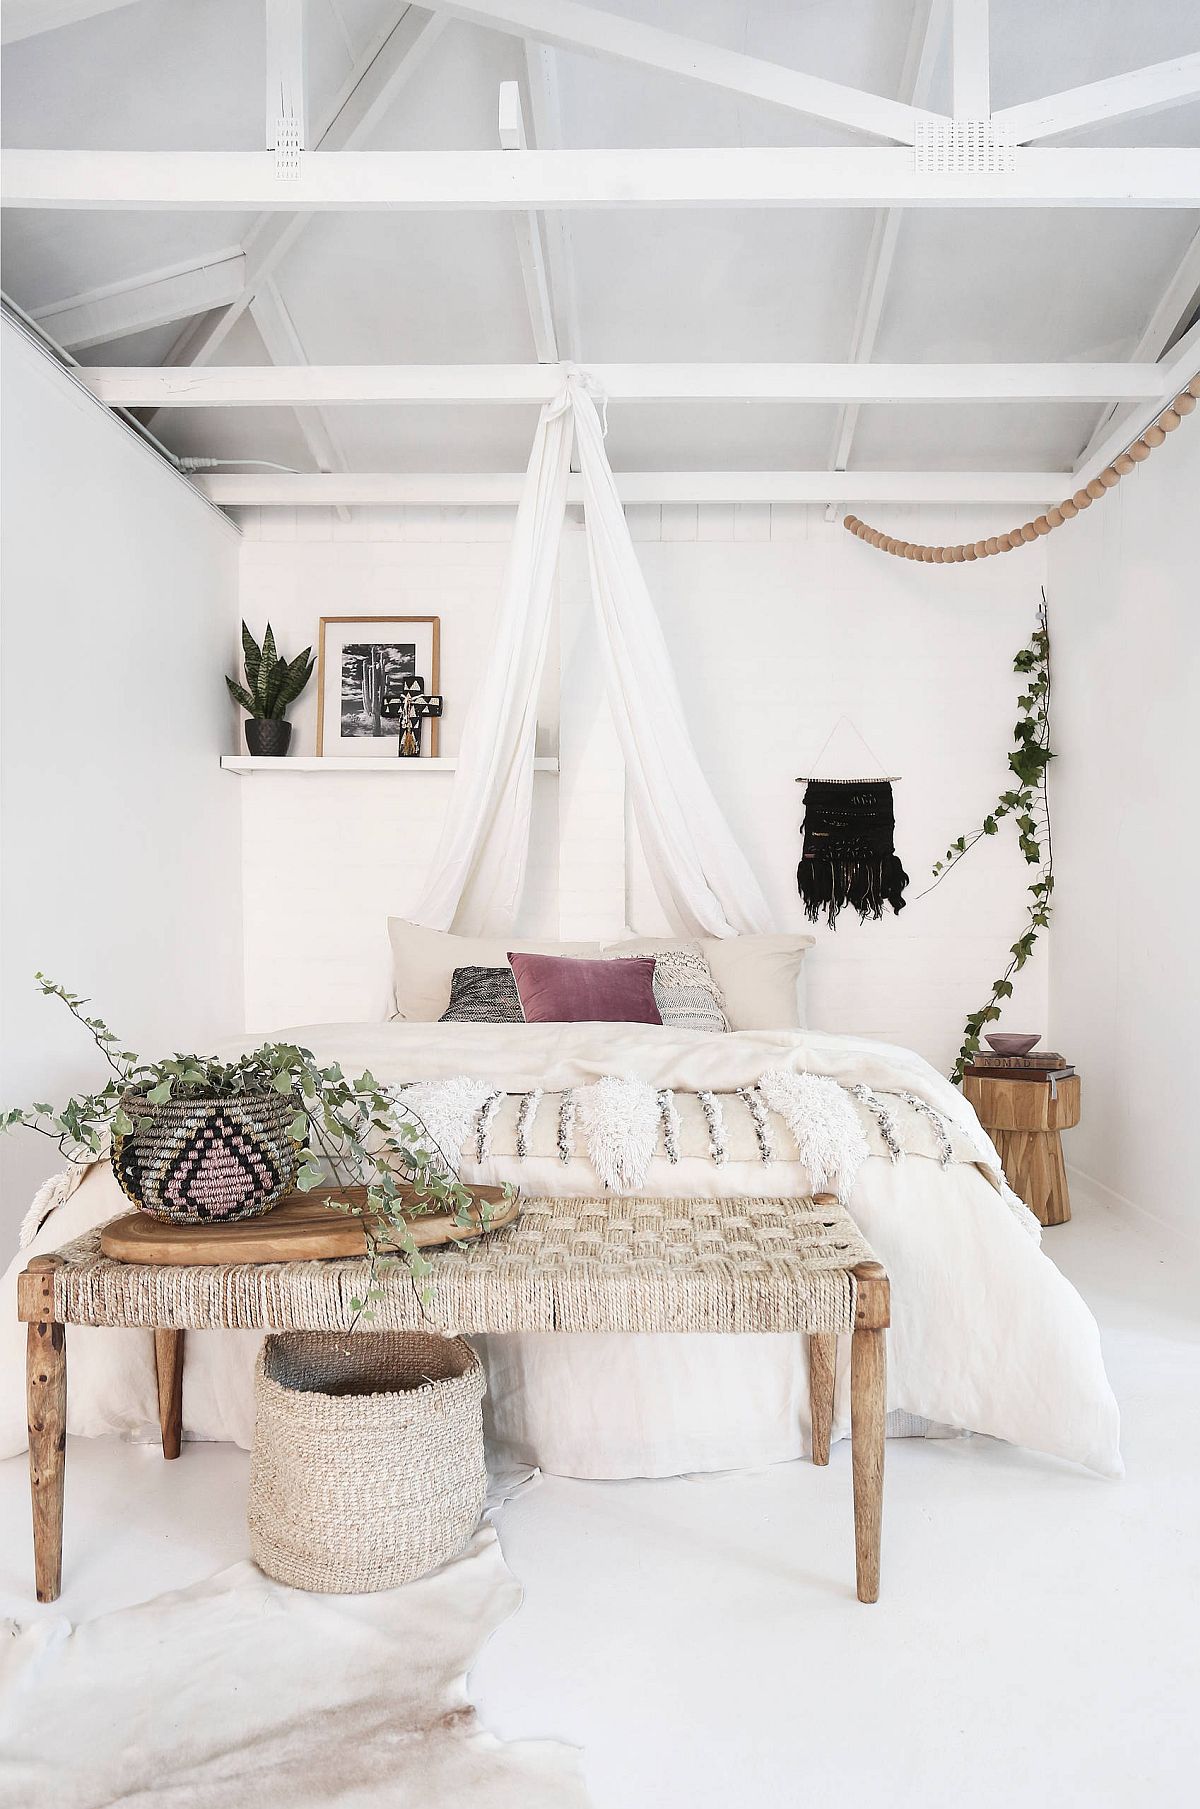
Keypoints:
(925, 38)
(366, 96)
(503, 489)
(1175, 309)
(520, 181)
(297, 385)
(1176, 371)
(575, 27)
(28, 18)
(278, 334)
(1127, 96)
(970, 62)
(286, 75)
(178, 292)
(528, 229)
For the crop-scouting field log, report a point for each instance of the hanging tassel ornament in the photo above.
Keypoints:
(849, 853)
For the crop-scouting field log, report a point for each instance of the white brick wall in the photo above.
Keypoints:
(778, 623)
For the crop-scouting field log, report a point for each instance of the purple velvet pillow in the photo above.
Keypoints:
(559, 989)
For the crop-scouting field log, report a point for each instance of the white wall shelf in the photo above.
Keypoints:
(293, 765)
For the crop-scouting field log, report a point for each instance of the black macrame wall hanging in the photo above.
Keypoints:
(849, 853)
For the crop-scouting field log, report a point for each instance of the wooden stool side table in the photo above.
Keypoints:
(1024, 1119)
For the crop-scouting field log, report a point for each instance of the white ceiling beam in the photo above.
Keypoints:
(512, 181)
(1176, 307)
(29, 18)
(286, 71)
(302, 385)
(541, 77)
(1127, 96)
(1175, 373)
(154, 300)
(970, 60)
(503, 489)
(528, 231)
(365, 98)
(575, 27)
(916, 79)
(277, 330)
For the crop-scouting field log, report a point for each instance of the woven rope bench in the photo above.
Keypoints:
(571, 1265)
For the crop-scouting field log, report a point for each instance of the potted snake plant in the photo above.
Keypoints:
(272, 683)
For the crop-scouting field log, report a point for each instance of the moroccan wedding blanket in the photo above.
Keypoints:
(986, 1335)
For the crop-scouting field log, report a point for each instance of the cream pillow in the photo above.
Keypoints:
(423, 963)
(760, 976)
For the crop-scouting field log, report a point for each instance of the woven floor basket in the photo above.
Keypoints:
(207, 1161)
(368, 1457)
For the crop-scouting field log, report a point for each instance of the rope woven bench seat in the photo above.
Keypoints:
(570, 1265)
(609, 1264)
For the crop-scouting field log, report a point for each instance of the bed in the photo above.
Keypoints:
(986, 1335)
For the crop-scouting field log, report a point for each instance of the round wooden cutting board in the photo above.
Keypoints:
(303, 1226)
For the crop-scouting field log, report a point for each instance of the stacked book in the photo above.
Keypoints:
(1040, 1064)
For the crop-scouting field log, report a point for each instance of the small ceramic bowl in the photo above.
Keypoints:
(1008, 1043)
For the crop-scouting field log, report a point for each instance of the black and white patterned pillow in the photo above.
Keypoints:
(483, 995)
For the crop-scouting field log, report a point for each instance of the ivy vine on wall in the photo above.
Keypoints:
(1028, 805)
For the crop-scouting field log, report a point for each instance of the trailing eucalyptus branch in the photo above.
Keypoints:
(347, 1133)
(1028, 805)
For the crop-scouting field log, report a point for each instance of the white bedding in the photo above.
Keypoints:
(986, 1334)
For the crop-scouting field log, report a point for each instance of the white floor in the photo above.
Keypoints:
(1036, 1642)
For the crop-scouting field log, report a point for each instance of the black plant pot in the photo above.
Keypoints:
(268, 739)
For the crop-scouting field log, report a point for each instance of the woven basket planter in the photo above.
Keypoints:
(207, 1161)
(368, 1457)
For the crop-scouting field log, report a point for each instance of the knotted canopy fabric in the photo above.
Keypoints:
(699, 873)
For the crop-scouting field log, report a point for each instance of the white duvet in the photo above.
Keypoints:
(986, 1335)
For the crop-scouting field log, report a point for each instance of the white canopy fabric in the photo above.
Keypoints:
(700, 875)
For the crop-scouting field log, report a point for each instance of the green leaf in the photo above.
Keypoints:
(160, 1094)
(122, 1123)
(251, 656)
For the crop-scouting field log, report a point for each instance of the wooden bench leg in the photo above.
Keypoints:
(168, 1358)
(868, 1415)
(46, 1376)
(868, 1421)
(822, 1366)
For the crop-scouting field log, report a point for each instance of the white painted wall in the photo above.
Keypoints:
(120, 874)
(778, 622)
(1126, 972)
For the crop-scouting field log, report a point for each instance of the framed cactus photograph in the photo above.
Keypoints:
(366, 666)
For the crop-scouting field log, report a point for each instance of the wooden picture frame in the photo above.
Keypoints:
(329, 643)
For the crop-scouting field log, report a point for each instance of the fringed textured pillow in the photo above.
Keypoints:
(687, 996)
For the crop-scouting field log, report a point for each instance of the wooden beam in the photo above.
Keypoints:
(299, 386)
(1175, 309)
(528, 230)
(1127, 96)
(516, 181)
(970, 60)
(178, 292)
(29, 18)
(576, 27)
(1175, 373)
(278, 333)
(503, 489)
(364, 99)
(286, 70)
(916, 79)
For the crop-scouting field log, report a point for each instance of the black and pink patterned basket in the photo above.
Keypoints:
(207, 1161)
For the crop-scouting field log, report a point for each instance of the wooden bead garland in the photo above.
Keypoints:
(1125, 462)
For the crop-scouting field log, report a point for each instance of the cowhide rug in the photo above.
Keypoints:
(239, 1691)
